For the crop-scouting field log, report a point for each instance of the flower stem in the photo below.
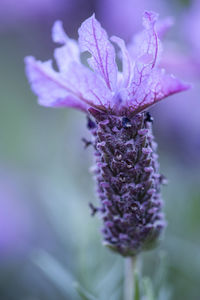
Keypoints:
(130, 268)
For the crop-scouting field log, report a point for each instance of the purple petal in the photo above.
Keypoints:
(93, 38)
(159, 85)
(90, 86)
(150, 84)
(145, 50)
(79, 88)
(58, 34)
(127, 66)
(69, 52)
(49, 87)
(167, 85)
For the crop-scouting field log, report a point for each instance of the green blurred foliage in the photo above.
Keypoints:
(185, 2)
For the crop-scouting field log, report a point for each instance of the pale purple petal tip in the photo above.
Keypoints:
(58, 33)
(149, 18)
(69, 52)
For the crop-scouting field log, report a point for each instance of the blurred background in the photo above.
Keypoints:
(49, 244)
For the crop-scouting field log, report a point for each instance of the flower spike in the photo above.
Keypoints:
(126, 167)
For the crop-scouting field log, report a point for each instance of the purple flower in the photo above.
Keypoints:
(126, 171)
(141, 83)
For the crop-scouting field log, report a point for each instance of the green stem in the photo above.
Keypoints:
(130, 268)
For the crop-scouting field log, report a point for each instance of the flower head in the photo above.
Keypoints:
(127, 171)
(102, 86)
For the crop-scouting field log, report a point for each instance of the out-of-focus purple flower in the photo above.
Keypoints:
(178, 120)
(122, 17)
(126, 163)
(191, 27)
(181, 61)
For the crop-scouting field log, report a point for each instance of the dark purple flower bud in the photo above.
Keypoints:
(128, 182)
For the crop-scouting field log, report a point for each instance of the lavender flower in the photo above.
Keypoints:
(127, 175)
